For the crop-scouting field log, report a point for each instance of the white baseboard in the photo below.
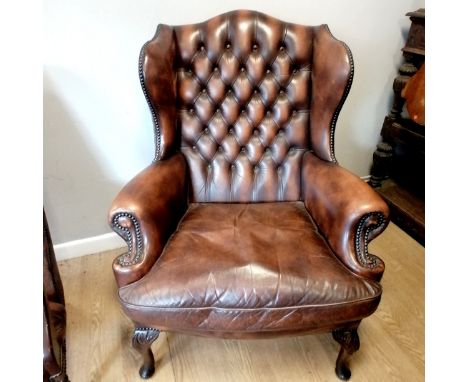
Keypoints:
(87, 246)
(366, 178)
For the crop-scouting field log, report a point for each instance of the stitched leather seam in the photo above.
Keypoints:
(253, 309)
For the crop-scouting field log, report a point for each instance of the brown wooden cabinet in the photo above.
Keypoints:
(54, 314)
(398, 163)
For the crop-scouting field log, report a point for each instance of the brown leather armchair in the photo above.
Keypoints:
(245, 226)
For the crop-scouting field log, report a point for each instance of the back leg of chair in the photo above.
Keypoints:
(349, 340)
(141, 341)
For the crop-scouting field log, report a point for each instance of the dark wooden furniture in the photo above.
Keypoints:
(54, 314)
(244, 225)
(398, 163)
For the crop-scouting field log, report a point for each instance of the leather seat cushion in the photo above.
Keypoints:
(246, 269)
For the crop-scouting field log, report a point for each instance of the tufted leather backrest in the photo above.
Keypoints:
(243, 96)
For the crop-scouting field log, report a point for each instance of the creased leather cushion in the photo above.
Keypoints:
(248, 268)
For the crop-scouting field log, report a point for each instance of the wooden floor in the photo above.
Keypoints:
(392, 340)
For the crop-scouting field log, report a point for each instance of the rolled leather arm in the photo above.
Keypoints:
(348, 212)
(145, 213)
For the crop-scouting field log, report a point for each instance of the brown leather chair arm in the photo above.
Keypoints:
(145, 213)
(348, 212)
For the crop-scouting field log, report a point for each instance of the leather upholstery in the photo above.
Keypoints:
(348, 212)
(241, 86)
(145, 213)
(220, 272)
(245, 225)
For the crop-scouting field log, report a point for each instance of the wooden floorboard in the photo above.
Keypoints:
(392, 339)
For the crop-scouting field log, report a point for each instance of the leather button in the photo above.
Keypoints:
(268, 71)
(255, 47)
(242, 111)
(255, 91)
(279, 169)
(191, 111)
(233, 167)
(268, 113)
(256, 168)
(281, 47)
(294, 71)
(215, 69)
(255, 132)
(203, 90)
(207, 130)
(243, 149)
(202, 47)
(228, 45)
(268, 150)
(194, 147)
(242, 69)
(294, 112)
(217, 110)
(281, 91)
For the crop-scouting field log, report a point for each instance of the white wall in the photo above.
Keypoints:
(97, 128)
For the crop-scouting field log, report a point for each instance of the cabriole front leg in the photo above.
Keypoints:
(141, 341)
(349, 340)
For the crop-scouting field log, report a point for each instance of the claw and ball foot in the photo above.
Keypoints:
(141, 341)
(349, 340)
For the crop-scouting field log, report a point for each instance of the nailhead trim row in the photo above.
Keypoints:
(157, 130)
(135, 253)
(365, 259)
(343, 98)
